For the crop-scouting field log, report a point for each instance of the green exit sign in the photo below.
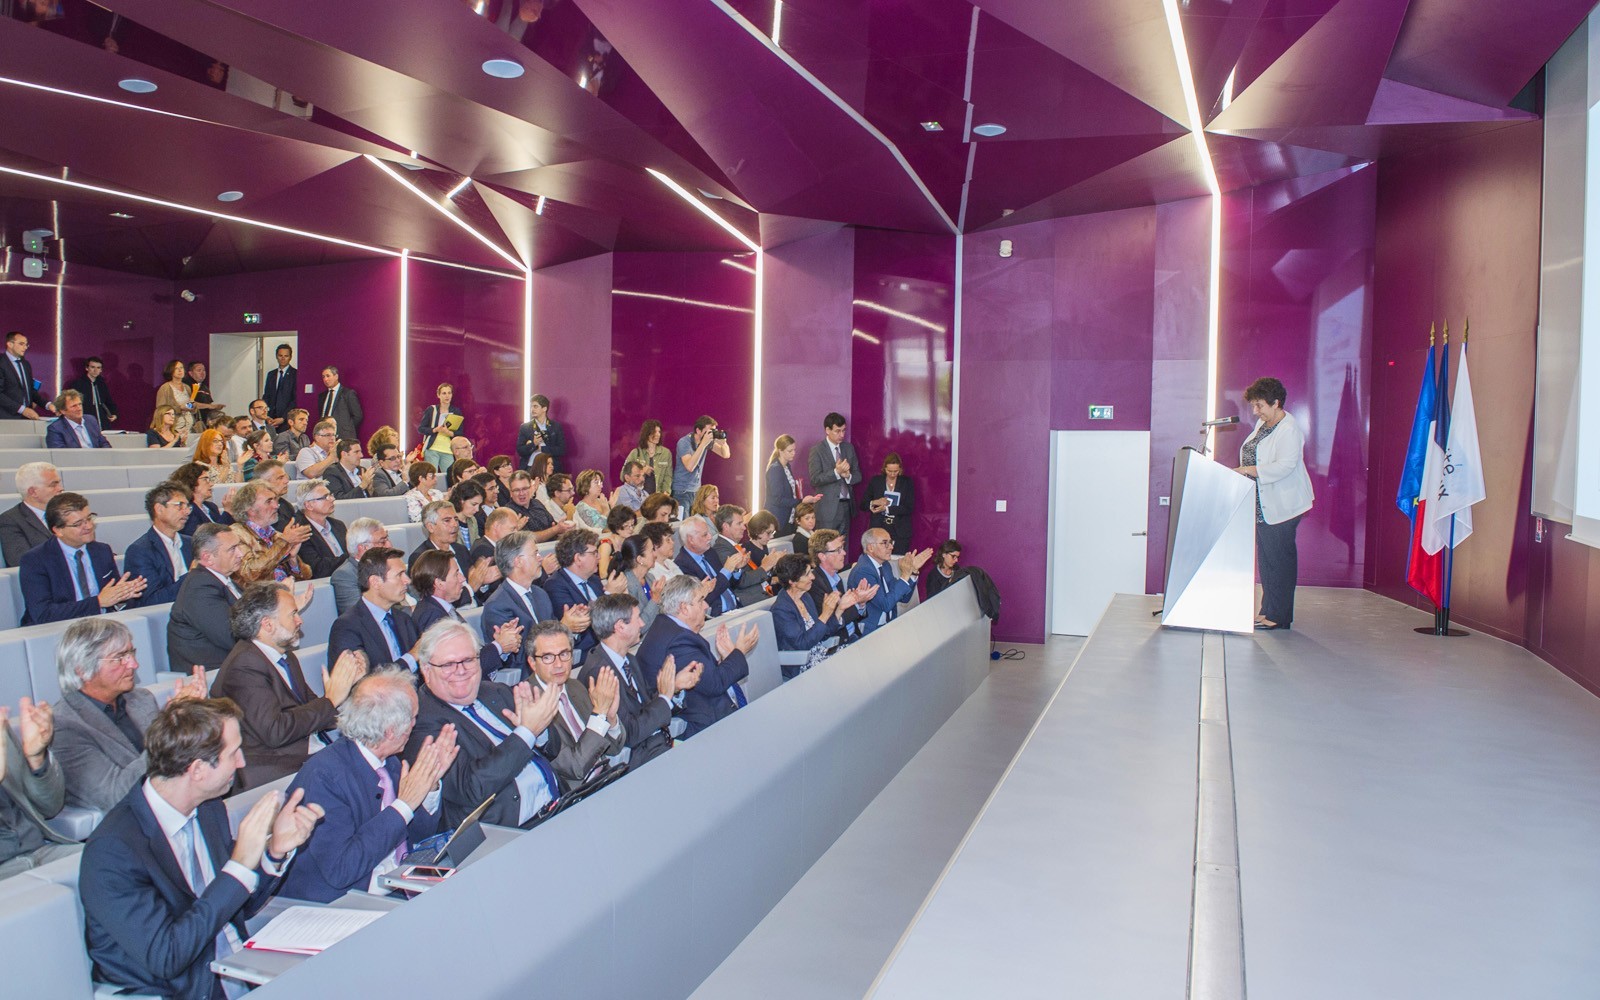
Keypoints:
(1099, 413)
(252, 318)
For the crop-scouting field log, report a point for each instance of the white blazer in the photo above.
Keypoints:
(1281, 477)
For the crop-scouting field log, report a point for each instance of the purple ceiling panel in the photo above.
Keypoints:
(1170, 172)
(1009, 175)
(793, 151)
(1242, 163)
(1371, 142)
(1399, 103)
(1216, 32)
(1485, 50)
(1327, 77)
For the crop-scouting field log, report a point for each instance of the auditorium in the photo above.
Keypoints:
(805, 499)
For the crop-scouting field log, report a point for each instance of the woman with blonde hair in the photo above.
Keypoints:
(706, 501)
(435, 428)
(163, 430)
(211, 451)
(783, 490)
(383, 435)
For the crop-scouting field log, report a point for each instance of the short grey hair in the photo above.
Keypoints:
(609, 611)
(360, 533)
(32, 475)
(377, 705)
(243, 498)
(872, 535)
(698, 525)
(208, 536)
(508, 548)
(325, 425)
(431, 512)
(258, 603)
(85, 643)
(439, 631)
(678, 591)
(303, 490)
(550, 626)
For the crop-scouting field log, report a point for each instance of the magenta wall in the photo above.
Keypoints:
(125, 319)
(808, 349)
(466, 328)
(1296, 304)
(1458, 236)
(572, 360)
(347, 315)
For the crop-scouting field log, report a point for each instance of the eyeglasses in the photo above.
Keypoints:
(128, 655)
(454, 666)
(551, 659)
(834, 552)
(180, 504)
(78, 524)
(318, 499)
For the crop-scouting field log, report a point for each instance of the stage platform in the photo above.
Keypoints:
(1344, 810)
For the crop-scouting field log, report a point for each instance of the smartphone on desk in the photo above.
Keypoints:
(425, 873)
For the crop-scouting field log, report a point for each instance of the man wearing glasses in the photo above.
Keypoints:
(162, 555)
(72, 575)
(388, 480)
(326, 549)
(827, 547)
(500, 731)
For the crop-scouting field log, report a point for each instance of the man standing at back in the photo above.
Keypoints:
(835, 469)
(340, 404)
(96, 396)
(20, 398)
(280, 388)
(689, 463)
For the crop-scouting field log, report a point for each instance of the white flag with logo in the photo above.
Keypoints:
(1461, 483)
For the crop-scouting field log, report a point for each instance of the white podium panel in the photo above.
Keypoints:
(1211, 547)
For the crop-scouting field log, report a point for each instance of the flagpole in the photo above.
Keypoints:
(1441, 617)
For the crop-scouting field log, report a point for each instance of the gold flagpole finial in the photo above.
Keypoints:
(1447, 333)
(1466, 331)
(1433, 334)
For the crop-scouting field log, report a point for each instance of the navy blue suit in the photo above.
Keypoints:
(355, 833)
(47, 590)
(430, 612)
(279, 393)
(504, 605)
(709, 700)
(565, 594)
(147, 557)
(60, 435)
(892, 592)
(790, 627)
(210, 515)
(357, 629)
(781, 500)
(144, 925)
(687, 563)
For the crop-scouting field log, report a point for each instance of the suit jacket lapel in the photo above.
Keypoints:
(91, 715)
(159, 848)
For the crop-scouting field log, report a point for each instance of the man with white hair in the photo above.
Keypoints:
(499, 731)
(675, 635)
(364, 533)
(102, 715)
(326, 549)
(374, 806)
(697, 560)
(896, 579)
(22, 527)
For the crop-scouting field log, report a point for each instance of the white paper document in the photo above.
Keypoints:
(309, 930)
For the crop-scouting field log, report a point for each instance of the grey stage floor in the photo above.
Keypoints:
(1398, 816)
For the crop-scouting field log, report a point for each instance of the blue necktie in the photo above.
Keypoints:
(726, 595)
(391, 634)
(499, 736)
(296, 688)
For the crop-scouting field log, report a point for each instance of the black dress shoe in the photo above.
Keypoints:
(1271, 628)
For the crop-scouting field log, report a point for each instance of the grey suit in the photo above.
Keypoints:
(577, 757)
(20, 530)
(101, 766)
(833, 510)
(383, 486)
(36, 796)
(345, 590)
(345, 411)
(197, 629)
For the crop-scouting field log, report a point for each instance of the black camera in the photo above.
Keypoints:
(718, 434)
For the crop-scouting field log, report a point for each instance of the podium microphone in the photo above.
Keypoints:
(1220, 421)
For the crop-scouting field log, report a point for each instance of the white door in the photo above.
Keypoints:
(1099, 495)
(239, 362)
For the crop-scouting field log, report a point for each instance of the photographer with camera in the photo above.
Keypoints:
(691, 453)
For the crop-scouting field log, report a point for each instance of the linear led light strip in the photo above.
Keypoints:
(431, 203)
(1191, 103)
(700, 303)
(106, 100)
(755, 327)
(404, 352)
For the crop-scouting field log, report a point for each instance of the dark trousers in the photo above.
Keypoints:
(844, 511)
(1279, 562)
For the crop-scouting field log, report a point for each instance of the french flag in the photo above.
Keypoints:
(1425, 570)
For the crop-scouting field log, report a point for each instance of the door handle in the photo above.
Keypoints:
(1140, 534)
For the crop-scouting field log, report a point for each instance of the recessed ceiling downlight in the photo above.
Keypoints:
(989, 129)
(230, 196)
(505, 69)
(134, 85)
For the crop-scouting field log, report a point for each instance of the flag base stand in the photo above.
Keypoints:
(1441, 626)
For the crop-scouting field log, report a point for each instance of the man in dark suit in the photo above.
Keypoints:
(197, 628)
(519, 597)
(326, 549)
(22, 527)
(372, 809)
(586, 727)
(437, 579)
(645, 703)
(676, 633)
(576, 585)
(166, 887)
(387, 479)
(340, 404)
(280, 388)
(20, 398)
(498, 731)
(72, 575)
(73, 428)
(896, 579)
(827, 550)
(163, 554)
(96, 394)
(378, 625)
(541, 434)
(697, 560)
(345, 476)
(835, 469)
(443, 526)
(279, 715)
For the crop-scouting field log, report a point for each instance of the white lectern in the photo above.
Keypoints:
(1211, 547)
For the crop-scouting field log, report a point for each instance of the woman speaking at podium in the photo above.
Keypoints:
(1273, 455)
